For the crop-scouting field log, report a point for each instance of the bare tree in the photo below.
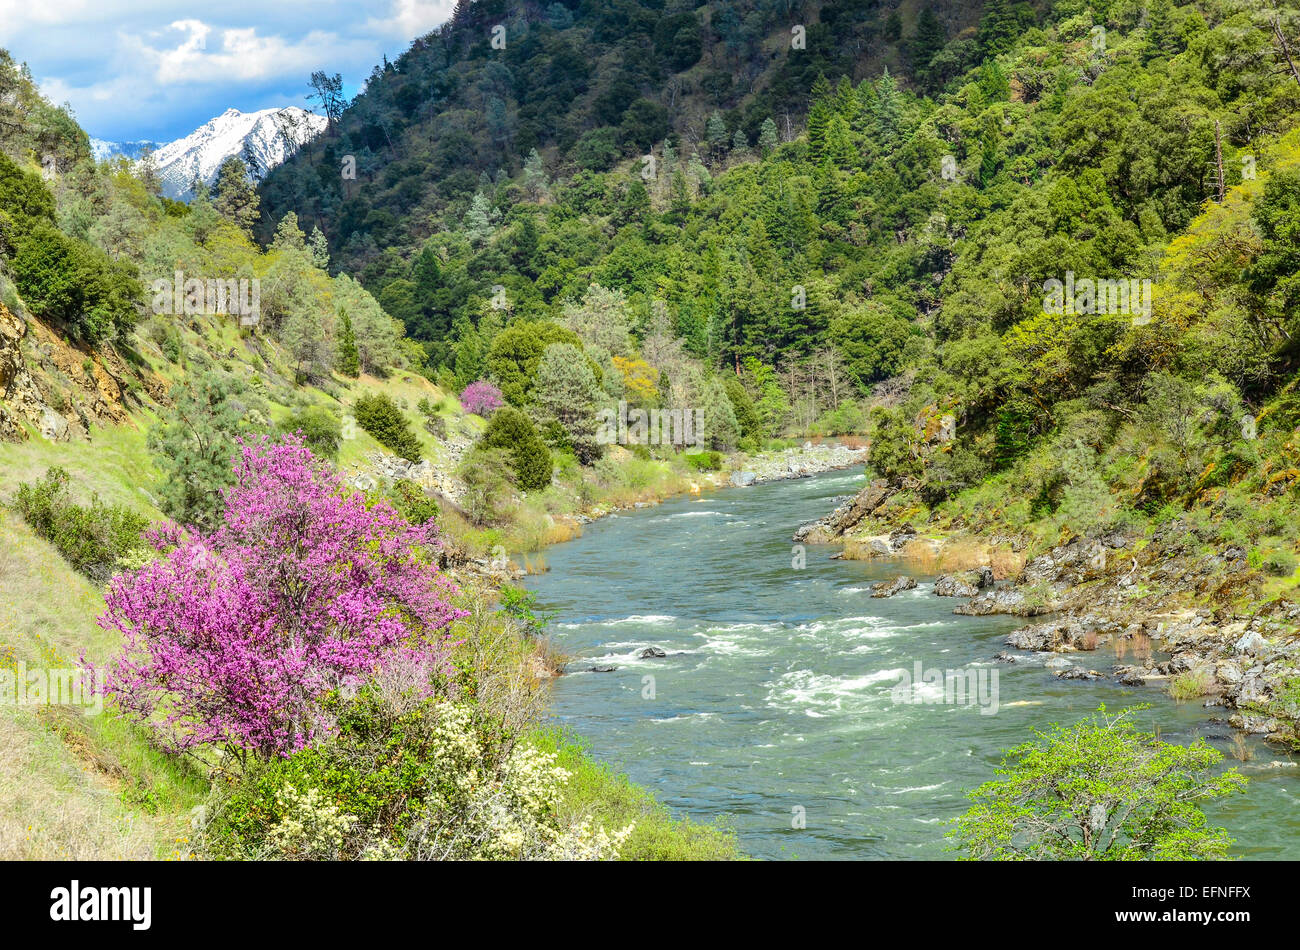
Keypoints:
(328, 91)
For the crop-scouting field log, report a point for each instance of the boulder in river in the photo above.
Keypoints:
(650, 653)
(602, 669)
(743, 479)
(1077, 673)
(950, 585)
(890, 588)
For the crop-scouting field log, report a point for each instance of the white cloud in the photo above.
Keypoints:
(412, 18)
(152, 69)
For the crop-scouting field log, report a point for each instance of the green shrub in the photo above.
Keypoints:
(69, 281)
(380, 416)
(1280, 564)
(320, 428)
(704, 461)
(511, 430)
(412, 503)
(612, 801)
(94, 539)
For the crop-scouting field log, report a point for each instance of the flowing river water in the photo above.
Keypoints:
(775, 705)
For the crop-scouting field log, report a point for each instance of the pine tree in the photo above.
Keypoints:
(349, 360)
(237, 200)
(888, 110)
(721, 431)
(320, 249)
(819, 116)
(535, 181)
(567, 394)
(715, 131)
(930, 38)
(767, 137)
(1161, 39)
(998, 28)
(195, 441)
(480, 220)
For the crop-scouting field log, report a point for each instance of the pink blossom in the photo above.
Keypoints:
(481, 398)
(237, 636)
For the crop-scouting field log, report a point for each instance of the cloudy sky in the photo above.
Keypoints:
(158, 69)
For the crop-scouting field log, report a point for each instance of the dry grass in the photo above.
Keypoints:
(1193, 684)
(926, 556)
(1139, 644)
(71, 785)
(1241, 748)
(54, 806)
(511, 668)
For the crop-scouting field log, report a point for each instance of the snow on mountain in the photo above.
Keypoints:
(264, 139)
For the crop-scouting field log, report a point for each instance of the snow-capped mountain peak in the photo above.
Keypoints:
(264, 138)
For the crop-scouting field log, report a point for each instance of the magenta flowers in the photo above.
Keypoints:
(236, 637)
(481, 398)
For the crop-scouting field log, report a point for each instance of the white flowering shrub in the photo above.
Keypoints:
(504, 813)
(409, 779)
(311, 828)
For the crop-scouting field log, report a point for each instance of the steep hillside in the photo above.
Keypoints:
(586, 85)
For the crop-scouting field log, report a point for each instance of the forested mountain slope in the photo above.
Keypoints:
(587, 84)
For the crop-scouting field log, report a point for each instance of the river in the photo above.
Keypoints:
(775, 708)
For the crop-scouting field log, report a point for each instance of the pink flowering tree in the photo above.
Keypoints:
(481, 398)
(236, 637)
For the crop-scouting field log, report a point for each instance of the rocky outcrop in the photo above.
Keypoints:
(59, 389)
(847, 515)
(19, 395)
(890, 588)
(953, 585)
(810, 459)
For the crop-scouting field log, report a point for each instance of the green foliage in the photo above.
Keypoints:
(487, 474)
(721, 431)
(894, 453)
(521, 604)
(237, 199)
(349, 359)
(380, 416)
(194, 443)
(404, 777)
(516, 352)
(413, 503)
(68, 281)
(566, 394)
(1099, 790)
(94, 538)
(511, 431)
(320, 427)
(23, 196)
(704, 461)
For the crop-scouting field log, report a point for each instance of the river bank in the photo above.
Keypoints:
(514, 545)
(1198, 621)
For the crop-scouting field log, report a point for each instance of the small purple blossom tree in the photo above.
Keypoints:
(481, 398)
(236, 637)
